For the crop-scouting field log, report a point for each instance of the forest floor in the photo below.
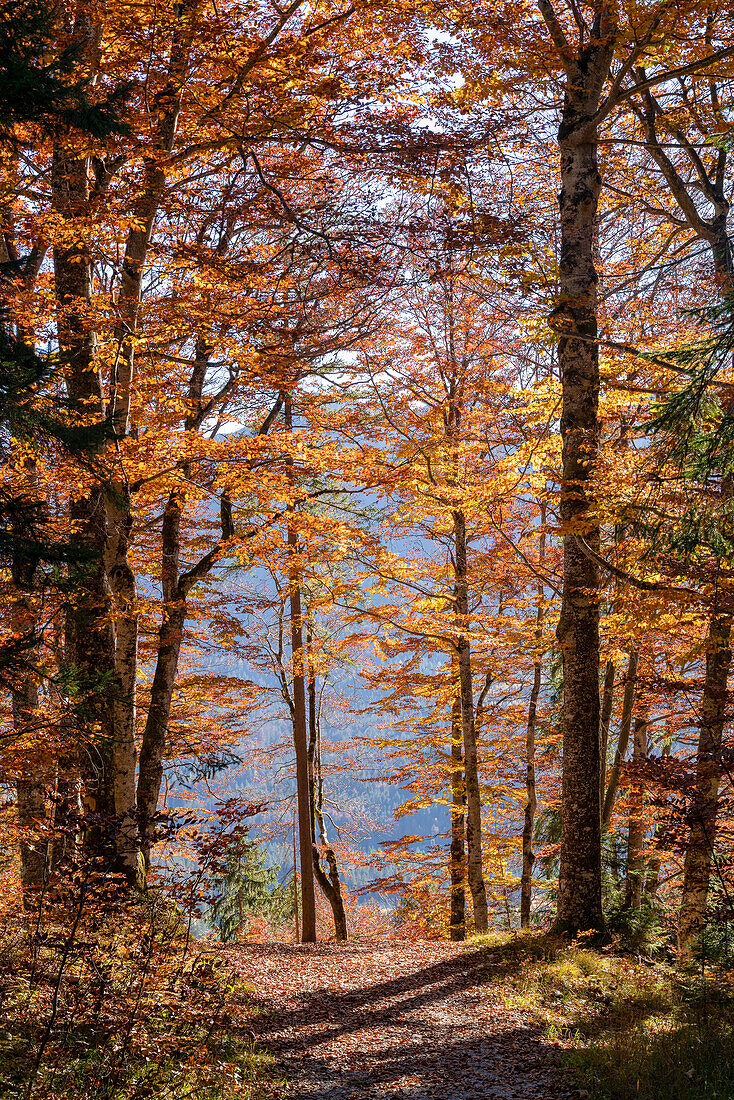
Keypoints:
(386, 1019)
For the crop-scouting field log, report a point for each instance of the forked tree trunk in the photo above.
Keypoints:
(531, 806)
(635, 878)
(457, 854)
(329, 882)
(579, 883)
(473, 794)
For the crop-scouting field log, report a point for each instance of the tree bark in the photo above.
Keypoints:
(176, 589)
(90, 643)
(329, 883)
(468, 726)
(118, 501)
(124, 748)
(300, 733)
(31, 797)
(652, 880)
(635, 878)
(579, 884)
(607, 703)
(457, 854)
(628, 699)
(528, 856)
(713, 230)
(702, 817)
(300, 739)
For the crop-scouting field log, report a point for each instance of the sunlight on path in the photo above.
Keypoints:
(392, 1019)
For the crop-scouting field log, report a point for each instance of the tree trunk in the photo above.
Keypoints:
(153, 746)
(169, 648)
(295, 883)
(300, 733)
(607, 703)
(90, 643)
(528, 856)
(635, 878)
(713, 230)
(630, 686)
(300, 739)
(329, 883)
(31, 800)
(579, 884)
(652, 881)
(473, 795)
(702, 837)
(31, 790)
(124, 749)
(176, 588)
(164, 112)
(457, 919)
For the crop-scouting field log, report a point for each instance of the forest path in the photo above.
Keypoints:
(386, 1019)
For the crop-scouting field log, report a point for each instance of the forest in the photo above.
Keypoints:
(366, 549)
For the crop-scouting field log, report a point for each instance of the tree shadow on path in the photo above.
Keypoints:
(425, 1033)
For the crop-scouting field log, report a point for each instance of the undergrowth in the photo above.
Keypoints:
(121, 1004)
(627, 1028)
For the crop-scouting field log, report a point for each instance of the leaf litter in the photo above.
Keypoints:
(384, 1018)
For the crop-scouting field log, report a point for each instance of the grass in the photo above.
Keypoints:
(626, 1028)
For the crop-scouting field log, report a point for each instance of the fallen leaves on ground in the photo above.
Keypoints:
(387, 1018)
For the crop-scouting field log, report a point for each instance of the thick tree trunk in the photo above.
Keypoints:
(579, 884)
(702, 837)
(635, 878)
(329, 883)
(457, 854)
(630, 686)
(531, 806)
(473, 794)
(90, 643)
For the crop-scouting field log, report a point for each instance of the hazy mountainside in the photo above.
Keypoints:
(360, 799)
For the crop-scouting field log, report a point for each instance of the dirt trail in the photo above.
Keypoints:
(385, 1019)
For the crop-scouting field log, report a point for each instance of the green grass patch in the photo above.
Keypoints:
(626, 1028)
